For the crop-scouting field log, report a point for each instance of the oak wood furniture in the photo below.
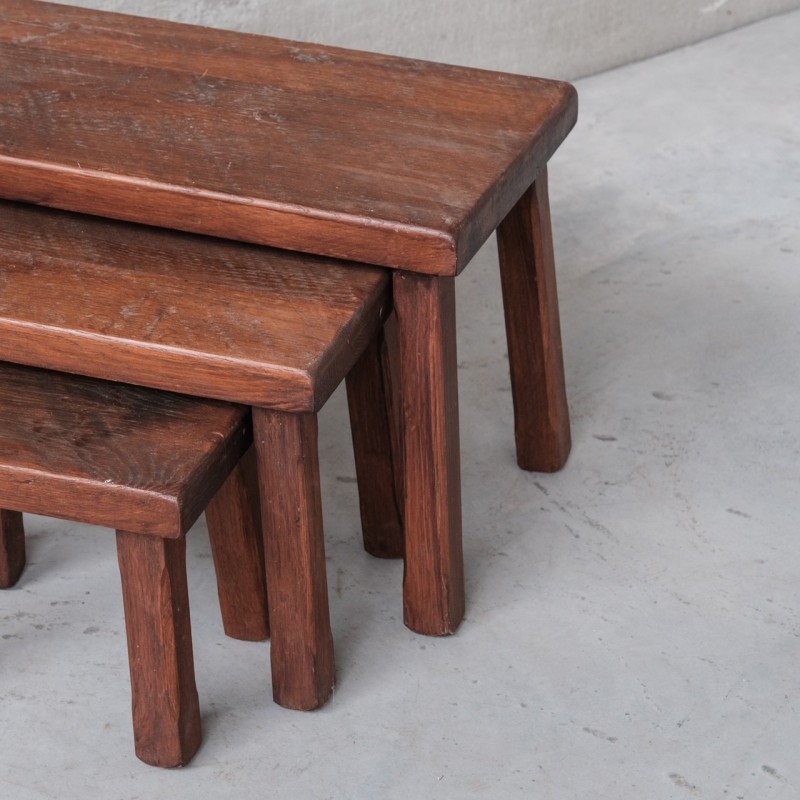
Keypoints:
(268, 328)
(146, 463)
(383, 160)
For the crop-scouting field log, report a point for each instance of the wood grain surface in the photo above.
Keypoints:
(528, 278)
(181, 312)
(164, 701)
(433, 586)
(12, 548)
(301, 653)
(234, 530)
(376, 451)
(373, 158)
(110, 454)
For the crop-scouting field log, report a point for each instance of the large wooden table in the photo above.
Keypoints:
(383, 160)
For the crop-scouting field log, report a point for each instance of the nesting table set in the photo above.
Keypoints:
(150, 170)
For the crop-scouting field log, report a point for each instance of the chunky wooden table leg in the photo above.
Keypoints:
(234, 529)
(302, 644)
(12, 548)
(369, 397)
(527, 271)
(433, 589)
(166, 709)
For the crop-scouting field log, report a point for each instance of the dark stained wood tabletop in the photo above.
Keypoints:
(110, 454)
(181, 312)
(379, 159)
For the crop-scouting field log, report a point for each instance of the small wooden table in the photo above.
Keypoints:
(146, 463)
(383, 160)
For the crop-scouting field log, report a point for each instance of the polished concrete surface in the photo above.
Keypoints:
(632, 629)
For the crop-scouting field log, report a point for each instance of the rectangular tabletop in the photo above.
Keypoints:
(384, 160)
(113, 455)
(176, 311)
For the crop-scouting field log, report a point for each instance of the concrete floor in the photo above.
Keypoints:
(633, 628)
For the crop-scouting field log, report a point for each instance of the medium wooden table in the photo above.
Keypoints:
(383, 160)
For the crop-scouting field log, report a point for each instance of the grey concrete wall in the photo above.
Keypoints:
(556, 38)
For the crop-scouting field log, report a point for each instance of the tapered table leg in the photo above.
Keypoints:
(166, 709)
(12, 548)
(302, 644)
(433, 590)
(369, 398)
(234, 528)
(527, 271)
